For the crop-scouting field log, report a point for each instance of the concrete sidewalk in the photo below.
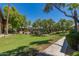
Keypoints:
(56, 49)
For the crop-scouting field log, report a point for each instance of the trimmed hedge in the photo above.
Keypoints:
(73, 39)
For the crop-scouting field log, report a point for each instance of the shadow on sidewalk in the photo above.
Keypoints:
(43, 54)
(64, 46)
(66, 49)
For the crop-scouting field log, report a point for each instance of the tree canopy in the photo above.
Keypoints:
(16, 20)
(72, 7)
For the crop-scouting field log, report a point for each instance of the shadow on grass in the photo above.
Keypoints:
(23, 51)
(40, 42)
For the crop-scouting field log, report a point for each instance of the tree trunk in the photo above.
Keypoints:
(75, 19)
(75, 25)
(7, 21)
(0, 28)
(6, 29)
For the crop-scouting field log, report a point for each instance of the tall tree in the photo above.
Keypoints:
(72, 7)
(16, 20)
(1, 15)
(62, 23)
(69, 24)
(7, 19)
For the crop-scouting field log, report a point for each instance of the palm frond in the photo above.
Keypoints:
(48, 7)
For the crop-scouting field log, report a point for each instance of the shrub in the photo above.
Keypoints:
(73, 39)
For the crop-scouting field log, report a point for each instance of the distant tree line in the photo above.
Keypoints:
(49, 25)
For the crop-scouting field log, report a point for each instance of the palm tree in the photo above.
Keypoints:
(62, 24)
(69, 24)
(73, 8)
(0, 20)
(7, 20)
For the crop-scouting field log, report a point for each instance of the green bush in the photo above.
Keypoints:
(73, 39)
(75, 53)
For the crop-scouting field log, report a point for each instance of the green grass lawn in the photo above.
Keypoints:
(17, 40)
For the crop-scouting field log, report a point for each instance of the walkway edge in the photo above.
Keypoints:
(58, 48)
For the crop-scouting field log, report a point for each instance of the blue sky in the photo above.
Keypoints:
(34, 11)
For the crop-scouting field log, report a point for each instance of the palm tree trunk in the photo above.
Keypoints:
(7, 21)
(0, 28)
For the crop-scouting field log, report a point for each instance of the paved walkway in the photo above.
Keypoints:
(56, 49)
